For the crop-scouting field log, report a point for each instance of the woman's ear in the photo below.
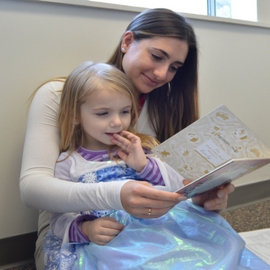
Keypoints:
(77, 121)
(128, 38)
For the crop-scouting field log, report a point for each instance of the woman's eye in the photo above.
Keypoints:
(156, 57)
(173, 69)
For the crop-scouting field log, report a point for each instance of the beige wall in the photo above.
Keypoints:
(263, 10)
(42, 40)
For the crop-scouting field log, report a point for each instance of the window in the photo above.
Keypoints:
(184, 6)
(235, 9)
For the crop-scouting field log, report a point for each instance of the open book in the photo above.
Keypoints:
(215, 150)
(258, 242)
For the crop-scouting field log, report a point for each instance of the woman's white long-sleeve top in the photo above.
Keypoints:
(38, 186)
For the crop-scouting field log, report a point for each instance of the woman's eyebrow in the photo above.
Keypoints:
(168, 56)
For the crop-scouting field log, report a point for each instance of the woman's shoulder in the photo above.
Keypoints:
(53, 86)
(49, 93)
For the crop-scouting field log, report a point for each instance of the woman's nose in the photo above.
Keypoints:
(161, 72)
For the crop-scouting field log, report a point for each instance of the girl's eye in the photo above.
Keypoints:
(102, 113)
(126, 112)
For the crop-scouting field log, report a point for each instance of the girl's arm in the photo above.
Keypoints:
(151, 173)
(76, 226)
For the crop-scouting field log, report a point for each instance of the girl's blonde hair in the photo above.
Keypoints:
(84, 81)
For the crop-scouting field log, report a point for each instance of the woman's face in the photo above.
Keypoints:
(151, 63)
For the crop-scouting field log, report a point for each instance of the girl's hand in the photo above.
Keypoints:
(101, 230)
(215, 200)
(142, 200)
(132, 152)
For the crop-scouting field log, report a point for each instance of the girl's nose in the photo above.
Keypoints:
(116, 121)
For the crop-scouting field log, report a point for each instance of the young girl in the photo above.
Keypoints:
(98, 109)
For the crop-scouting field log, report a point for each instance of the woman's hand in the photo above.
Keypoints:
(142, 200)
(101, 230)
(215, 200)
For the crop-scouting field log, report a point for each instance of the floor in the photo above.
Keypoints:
(251, 217)
(246, 218)
(28, 266)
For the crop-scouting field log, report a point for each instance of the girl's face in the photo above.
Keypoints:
(104, 113)
(151, 63)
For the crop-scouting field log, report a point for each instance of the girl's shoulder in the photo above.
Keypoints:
(77, 166)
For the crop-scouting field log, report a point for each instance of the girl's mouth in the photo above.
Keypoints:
(111, 135)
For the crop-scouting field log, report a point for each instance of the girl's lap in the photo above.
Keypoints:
(188, 236)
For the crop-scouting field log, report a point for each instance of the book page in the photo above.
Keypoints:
(222, 175)
(210, 142)
(212, 153)
(258, 242)
(210, 147)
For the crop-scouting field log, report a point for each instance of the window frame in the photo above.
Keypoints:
(89, 3)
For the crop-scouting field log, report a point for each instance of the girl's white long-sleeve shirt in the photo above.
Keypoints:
(76, 168)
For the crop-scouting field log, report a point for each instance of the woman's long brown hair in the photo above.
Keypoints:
(174, 106)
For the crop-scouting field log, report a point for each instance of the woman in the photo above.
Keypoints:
(158, 52)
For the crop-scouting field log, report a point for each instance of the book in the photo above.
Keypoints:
(258, 242)
(213, 151)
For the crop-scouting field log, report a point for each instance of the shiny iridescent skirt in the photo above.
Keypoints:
(187, 237)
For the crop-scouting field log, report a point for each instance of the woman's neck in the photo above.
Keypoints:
(142, 99)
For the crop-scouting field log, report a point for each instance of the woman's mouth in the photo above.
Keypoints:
(149, 81)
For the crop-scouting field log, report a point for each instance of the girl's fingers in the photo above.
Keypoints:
(108, 222)
(128, 134)
(120, 141)
(129, 137)
(110, 231)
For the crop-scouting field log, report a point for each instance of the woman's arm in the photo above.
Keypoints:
(218, 199)
(40, 189)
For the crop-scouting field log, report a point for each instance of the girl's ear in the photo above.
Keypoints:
(128, 38)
